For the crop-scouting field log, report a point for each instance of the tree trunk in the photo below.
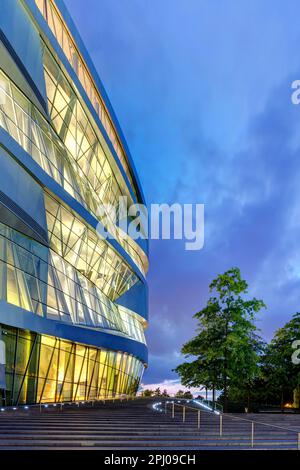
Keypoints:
(225, 394)
(213, 396)
(225, 383)
(281, 404)
(296, 401)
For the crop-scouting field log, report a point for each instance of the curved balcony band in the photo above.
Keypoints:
(20, 318)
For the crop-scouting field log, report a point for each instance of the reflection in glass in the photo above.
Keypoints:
(44, 369)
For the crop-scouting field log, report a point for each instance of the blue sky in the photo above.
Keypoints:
(202, 91)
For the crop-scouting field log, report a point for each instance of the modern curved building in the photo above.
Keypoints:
(73, 305)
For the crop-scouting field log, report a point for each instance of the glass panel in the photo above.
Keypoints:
(56, 289)
(78, 170)
(47, 369)
(68, 45)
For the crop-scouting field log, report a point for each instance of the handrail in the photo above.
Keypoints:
(260, 422)
(209, 403)
(221, 418)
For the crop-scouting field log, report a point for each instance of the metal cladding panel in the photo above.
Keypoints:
(20, 318)
(2, 364)
(22, 40)
(22, 195)
(136, 299)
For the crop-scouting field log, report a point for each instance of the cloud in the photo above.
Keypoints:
(252, 223)
(208, 119)
(171, 386)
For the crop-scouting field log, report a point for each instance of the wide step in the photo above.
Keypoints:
(135, 425)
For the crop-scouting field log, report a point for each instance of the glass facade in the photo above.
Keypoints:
(73, 304)
(40, 281)
(45, 369)
(68, 45)
(86, 251)
(76, 132)
(20, 118)
(75, 129)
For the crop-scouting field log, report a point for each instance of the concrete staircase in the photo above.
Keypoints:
(136, 425)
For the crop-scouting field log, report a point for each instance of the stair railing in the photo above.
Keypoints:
(183, 407)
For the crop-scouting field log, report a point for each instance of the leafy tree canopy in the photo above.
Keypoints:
(227, 347)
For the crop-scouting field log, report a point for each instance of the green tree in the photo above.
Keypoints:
(282, 374)
(147, 393)
(227, 347)
(179, 394)
(165, 394)
(157, 392)
(251, 374)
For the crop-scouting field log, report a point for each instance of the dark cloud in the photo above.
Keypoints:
(202, 92)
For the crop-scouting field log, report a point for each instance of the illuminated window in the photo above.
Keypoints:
(26, 125)
(41, 281)
(66, 42)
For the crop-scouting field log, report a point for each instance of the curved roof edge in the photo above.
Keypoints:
(20, 318)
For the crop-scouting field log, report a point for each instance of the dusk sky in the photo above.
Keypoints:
(202, 91)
